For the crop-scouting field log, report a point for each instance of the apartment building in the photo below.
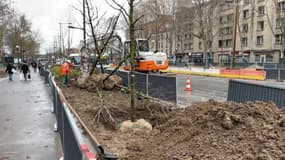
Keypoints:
(160, 28)
(260, 33)
(259, 37)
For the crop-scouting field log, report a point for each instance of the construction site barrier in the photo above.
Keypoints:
(242, 91)
(244, 74)
(275, 74)
(159, 86)
(75, 144)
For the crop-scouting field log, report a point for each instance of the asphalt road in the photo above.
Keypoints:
(203, 89)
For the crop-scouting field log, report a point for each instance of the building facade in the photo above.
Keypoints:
(259, 39)
(258, 34)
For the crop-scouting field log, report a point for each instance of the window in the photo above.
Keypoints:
(279, 22)
(179, 38)
(281, 6)
(185, 46)
(220, 44)
(259, 40)
(257, 58)
(228, 43)
(244, 41)
(261, 10)
(200, 45)
(245, 28)
(191, 46)
(228, 30)
(260, 25)
(278, 39)
(245, 14)
(245, 1)
(269, 58)
(221, 20)
(230, 18)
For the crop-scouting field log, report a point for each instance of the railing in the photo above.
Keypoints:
(275, 74)
(241, 91)
(153, 85)
(75, 145)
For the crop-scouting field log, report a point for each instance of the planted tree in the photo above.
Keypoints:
(5, 18)
(131, 20)
(203, 19)
(21, 39)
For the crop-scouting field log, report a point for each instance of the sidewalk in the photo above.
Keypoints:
(26, 128)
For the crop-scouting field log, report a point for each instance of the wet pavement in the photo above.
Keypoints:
(203, 89)
(26, 128)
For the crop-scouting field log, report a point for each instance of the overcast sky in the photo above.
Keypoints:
(45, 16)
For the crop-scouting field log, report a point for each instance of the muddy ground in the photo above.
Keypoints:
(204, 131)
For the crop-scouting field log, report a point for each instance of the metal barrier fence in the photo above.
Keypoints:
(157, 86)
(241, 91)
(274, 66)
(73, 144)
(276, 74)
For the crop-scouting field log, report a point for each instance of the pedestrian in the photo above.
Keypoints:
(25, 69)
(34, 65)
(65, 69)
(10, 70)
(40, 66)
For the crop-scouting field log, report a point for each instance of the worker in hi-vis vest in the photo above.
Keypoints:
(65, 69)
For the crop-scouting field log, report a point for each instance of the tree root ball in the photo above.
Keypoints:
(140, 125)
(97, 80)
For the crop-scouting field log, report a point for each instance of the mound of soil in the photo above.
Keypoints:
(209, 130)
(2, 74)
(97, 80)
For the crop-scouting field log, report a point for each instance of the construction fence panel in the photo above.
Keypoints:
(241, 91)
(271, 73)
(162, 87)
(124, 76)
(274, 66)
(275, 74)
(157, 86)
(71, 146)
(282, 74)
(141, 82)
(70, 135)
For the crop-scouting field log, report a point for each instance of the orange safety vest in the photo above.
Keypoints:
(64, 69)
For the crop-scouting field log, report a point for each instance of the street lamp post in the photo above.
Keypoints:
(84, 26)
(61, 39)
(84, 40)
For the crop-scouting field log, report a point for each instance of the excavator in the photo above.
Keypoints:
(146, 60)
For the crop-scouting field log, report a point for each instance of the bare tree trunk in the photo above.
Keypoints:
(132, 53)
(205, 53)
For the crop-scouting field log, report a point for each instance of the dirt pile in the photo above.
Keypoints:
(3, 74)
(221, 131)
(97, 80)
(204, 131)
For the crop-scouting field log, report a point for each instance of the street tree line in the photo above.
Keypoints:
(16, 35)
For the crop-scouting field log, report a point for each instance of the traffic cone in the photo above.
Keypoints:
(188, 85)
